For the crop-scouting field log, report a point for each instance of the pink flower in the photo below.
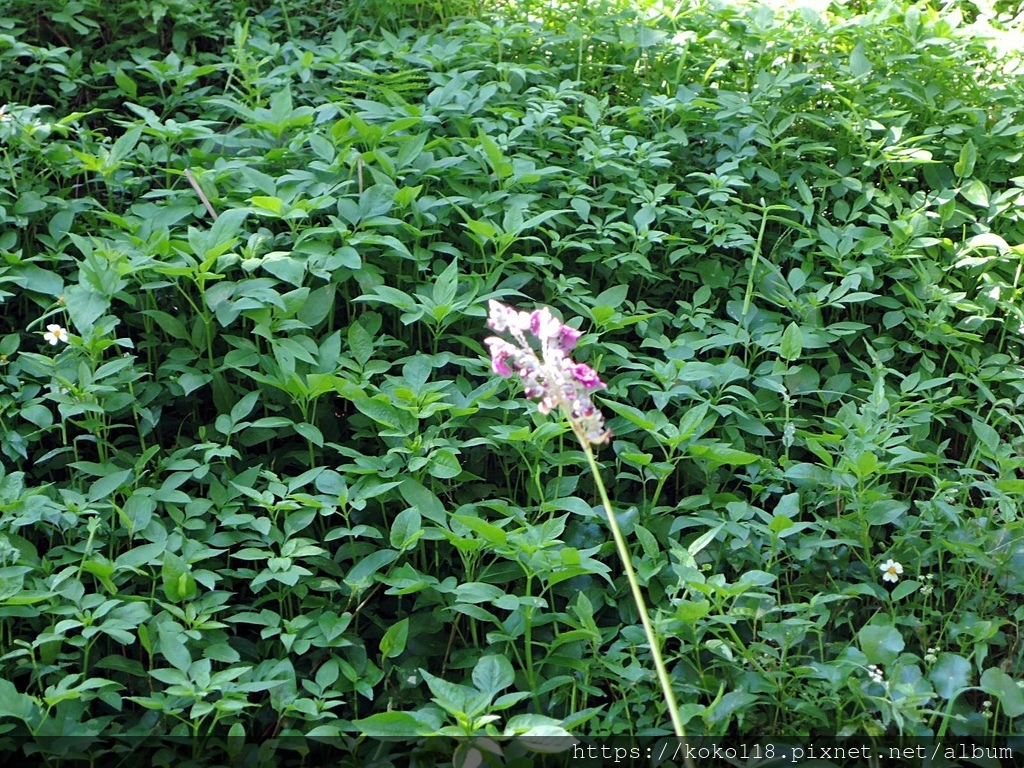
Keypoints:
(567, 337)
(501, 351)
(551, 378)
(587, 376)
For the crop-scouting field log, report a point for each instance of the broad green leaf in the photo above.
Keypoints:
(174, 648)
(384, 724)
(85, 306)
(406, 528)
(997, 683)
(950, 674)
(976, 193)
(392, 644)
(447, 285)
(881, 644)
(105, 486)
(703, 540)
(448, 695)
(361, 575)
(493, 674)
(488, 531)
(444, 464)
(968, 156)
(792, 343)
(424, 500)
(631, 414)
(987, 436)
(904, 589)
(178, 582)
(15, 704)
(502, 168)
(859, 63)
(244, 407)
(689, 611)
(719, 454)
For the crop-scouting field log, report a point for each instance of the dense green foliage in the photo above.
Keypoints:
(269, 486)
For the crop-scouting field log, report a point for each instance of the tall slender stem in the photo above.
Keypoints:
(638, 597)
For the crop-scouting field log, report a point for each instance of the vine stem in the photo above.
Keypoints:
(638, 597)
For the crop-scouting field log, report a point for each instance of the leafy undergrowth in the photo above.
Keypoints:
(268, 486)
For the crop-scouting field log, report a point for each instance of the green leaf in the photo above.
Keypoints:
(105, 486)
(689, 611)
(502, 168)
(950, 674)
(987, 436)
(632, 414)
(997, 683)
(178, 582)
(968, 156)
(424, 500)
(244, 407)
(37, 414)
(361, 575)
(612, 297)
(13, 703)
(450, 696)
(976, 193)
(173, 647)
(85, 306)
(792, 343)
(859, 63)
(881, 644)
(406, 528)
(488, 531)
(310, 433)
(393, 642)
(284, 266)
(385, 724)
(719, 454)
(903, 589)
(444, 464)
(703, 540)
(493, 674)
(447, 285)
(360, 343)
(391, 296)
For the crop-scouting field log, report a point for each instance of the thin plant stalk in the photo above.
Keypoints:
(563, 386)
(638, 597)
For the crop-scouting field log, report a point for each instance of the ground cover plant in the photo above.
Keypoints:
(261, 492)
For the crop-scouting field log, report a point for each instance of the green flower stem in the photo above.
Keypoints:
(638, 597)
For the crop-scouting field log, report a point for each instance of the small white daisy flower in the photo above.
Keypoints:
(891, 570)
(55, 333)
